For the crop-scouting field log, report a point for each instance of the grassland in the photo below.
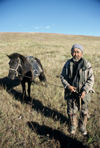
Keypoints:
(42, 121)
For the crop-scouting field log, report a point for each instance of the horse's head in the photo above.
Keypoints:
(14, 66)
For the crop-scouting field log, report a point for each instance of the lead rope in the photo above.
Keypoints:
(30, 77)
(80, 106)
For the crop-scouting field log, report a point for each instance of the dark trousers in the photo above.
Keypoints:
(73, 103)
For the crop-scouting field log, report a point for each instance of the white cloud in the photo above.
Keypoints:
(20, 25)
(36, 27)
(47, 27)
(41, 27)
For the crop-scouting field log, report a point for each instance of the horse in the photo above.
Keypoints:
(27, 68)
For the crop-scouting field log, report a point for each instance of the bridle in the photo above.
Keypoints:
(19, 64)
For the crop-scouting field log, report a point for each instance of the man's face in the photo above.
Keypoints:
(76, 54)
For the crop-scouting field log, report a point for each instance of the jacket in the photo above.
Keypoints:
(84, 75)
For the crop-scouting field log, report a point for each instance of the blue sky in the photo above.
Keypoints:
(77, 17)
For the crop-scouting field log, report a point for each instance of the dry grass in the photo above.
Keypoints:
(42, 121)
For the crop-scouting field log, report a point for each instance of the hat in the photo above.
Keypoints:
(77, 46)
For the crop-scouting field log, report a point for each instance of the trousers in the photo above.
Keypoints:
(73, 103)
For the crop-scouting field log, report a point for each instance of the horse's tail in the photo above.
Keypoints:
(42, 75)
(43, 78)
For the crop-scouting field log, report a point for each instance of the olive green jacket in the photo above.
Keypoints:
(85, 76)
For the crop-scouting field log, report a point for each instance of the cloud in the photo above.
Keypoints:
(20, 25)
(47, 27)
(36, 27)
(41, 27)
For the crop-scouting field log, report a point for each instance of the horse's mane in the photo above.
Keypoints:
(17, 55)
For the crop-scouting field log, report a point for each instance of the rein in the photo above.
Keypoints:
(19, 64)
(55, 85)
(31, 77)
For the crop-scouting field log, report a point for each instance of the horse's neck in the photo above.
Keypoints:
(26, 67)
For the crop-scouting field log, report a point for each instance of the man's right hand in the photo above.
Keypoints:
(71, 88)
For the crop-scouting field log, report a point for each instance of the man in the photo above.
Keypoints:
(77, 79)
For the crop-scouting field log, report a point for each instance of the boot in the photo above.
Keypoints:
(73, 123)
(83, 121)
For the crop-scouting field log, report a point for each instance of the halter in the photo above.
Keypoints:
(16, 67)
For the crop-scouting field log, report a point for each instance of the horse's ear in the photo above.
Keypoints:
(8, 56)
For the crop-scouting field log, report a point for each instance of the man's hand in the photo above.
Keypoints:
(82, 95)
(71, 88)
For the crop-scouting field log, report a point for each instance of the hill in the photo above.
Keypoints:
(42, 121)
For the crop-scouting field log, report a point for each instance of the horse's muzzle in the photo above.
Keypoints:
(11, 76)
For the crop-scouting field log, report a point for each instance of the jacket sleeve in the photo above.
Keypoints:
(64, 75)
(87, 87)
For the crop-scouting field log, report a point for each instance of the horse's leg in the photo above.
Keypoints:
(29, 85)
(23, 89)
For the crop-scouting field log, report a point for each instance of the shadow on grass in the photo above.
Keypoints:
(65, 141)
(8, 83)
(36, 104)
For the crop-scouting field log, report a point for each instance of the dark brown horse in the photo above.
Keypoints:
(27, 69)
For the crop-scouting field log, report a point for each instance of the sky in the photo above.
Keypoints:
(74, 17)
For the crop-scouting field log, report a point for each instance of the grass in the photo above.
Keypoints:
(42, 121)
